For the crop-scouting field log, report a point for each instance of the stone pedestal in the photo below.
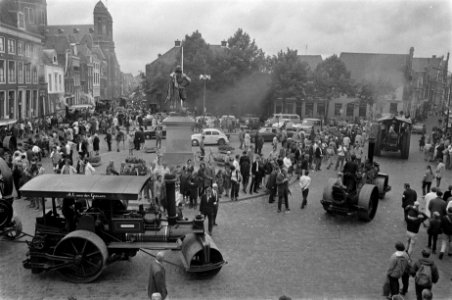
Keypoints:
(178, 140)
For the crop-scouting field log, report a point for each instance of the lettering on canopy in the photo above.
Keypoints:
(86, 195)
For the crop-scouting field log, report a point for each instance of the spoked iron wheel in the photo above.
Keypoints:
(86, 253)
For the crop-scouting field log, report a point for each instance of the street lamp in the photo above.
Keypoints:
(204, 77)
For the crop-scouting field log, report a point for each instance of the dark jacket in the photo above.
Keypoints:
(434, 226)
(409, 197)
(271, 183)
(413, 219)
(282, 182)
(203, 209)
(245, 163)
(446, 224)
(96, 143)
(447, 195)
(438, 205)
(427, 262)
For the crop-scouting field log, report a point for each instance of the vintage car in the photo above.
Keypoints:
(212, 136)
(419, 128)
(149, 134)
(100, 226)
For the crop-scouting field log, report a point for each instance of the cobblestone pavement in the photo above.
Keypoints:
(305, 254)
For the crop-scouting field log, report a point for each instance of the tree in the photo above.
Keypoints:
(289, 75)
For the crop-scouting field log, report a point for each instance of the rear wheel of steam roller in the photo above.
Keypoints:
(405, 146)
(377, 151)
(204, 262)
(328, 194)
(86, 253)
(380, 182)
(6, 213)
(367, 202)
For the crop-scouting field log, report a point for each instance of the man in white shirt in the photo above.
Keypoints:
(305, 181)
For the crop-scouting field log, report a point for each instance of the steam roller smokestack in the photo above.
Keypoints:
(170, 185)
(370, 153)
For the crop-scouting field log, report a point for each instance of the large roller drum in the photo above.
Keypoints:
(84, 255)
(10, 143)
(367, 202)
(200, 255)
(6, 213)
(381, 182)
(328, 190)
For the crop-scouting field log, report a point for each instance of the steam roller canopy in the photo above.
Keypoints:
(201, 255)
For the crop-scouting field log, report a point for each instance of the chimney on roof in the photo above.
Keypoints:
(76, 30)
(177, 43)
(433, 56)
(224, 43)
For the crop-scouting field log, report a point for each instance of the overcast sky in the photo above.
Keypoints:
(143, 29)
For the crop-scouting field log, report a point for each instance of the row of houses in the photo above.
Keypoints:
(415, 82)
(44, 68)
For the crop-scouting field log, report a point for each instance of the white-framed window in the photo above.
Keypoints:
(35, 50)
(11, 104)
(50, 83)
(2, 104)
(34, 103)
(35, 74)
(11, 46)
(27, 50)
(30, 15)
(2, 71)
(11, 71)
(20, 48)
(21, 20)
(28, 73)
(55, 77)
(20, 72)
(2, 44)
(60, 80)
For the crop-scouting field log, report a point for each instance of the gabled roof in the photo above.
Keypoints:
(376, 66)
(423, 64)
(75, 33)
(169, 58)
(311, 60)
(59, 43)
(101, 9)
(47, 56)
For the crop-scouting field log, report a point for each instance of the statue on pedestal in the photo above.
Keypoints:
(176, 89)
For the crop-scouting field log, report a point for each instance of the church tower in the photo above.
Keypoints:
(103, 27)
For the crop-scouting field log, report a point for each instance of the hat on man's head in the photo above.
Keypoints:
(400, 246)
(426, 253)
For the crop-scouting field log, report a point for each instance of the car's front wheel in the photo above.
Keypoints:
(194, 143)
(221, 142)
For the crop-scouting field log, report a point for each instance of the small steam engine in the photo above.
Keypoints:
(357, 193)
(80, 245)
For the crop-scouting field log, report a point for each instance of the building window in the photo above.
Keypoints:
(35, 75)
(2, 71)
(320, 109)
(393, 108)
(11, 103)
(2, 104)
(337, 109)
(11, 71)
(20, 48)
(309, 109)
(50, 82)
(60, 81)
(30, 15)
(21, 20)
(350, 109)
(27, 103)
(363, 110)
(28, 50)
(27, 73)
(55, 76)
(11, 46)
(20, 72)
(35, 103)
(43, 17)
(35, 51)
(2, 44)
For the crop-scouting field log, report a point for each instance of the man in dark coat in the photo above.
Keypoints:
(157, 277)
(245, 164)
(282, 182)
(408, 198)
(271, 184)
(421, 279)
(256, 174)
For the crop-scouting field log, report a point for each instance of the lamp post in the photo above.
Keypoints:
(204, 77)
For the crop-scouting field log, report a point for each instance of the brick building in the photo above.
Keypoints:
(22, 87)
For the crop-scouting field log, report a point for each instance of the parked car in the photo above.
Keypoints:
(419, 128)
(310, 123)
(213, 136)
(150, 133)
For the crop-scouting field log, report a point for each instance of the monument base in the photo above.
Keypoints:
(178, 140)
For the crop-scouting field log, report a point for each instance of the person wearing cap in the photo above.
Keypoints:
(414, 219)
(446, 240)
(408, 198)
(424, 262)
(398, 264)
(157, 277)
